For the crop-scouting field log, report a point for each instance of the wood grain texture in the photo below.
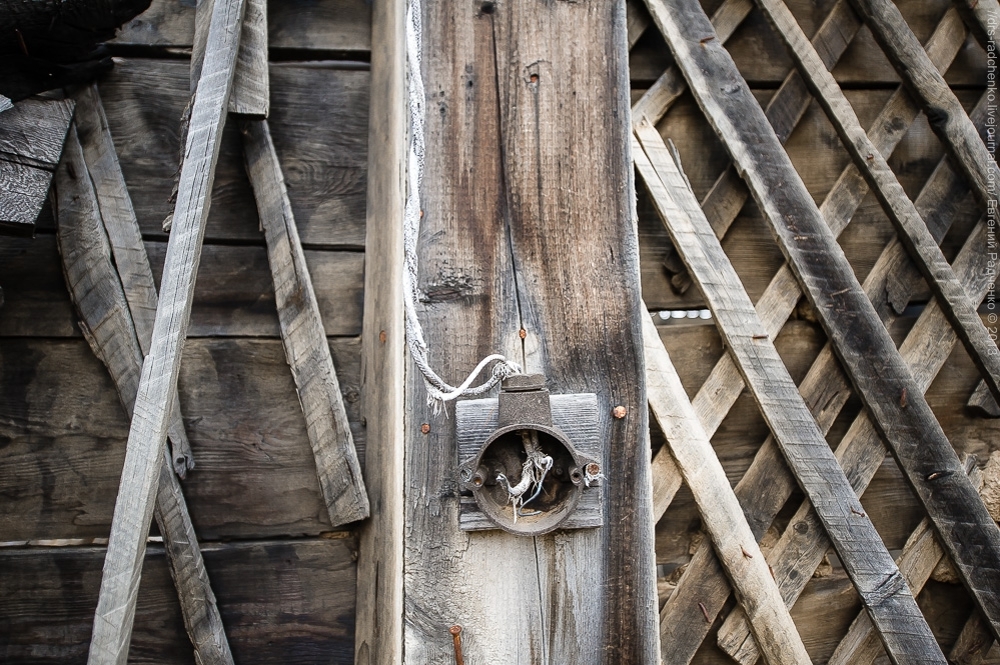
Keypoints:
(775, 305)
(521, 154)
(914, 436)
(379, 633)
(919, 557)
(328, 25)
(889, 286)
(122, 229)
(981, 17)
(147, 435)
(319, 118)
(250, 94)
(100, 299)
(912, 230)
(278, 599)
(32, 134)
(974, 643)
(303, 336)
(947, 117)
(255, 478)
(734, 542)
(883, 591)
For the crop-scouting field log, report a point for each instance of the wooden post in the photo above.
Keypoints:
(528, 248)
(379, 629)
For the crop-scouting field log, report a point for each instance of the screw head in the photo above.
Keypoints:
(593, 469)
(425, 428)
(619, 412)
(455, 630)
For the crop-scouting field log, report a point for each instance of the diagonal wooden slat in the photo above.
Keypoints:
(99, 297)
(147, 435)
(767, 485)
(889, 286)
(944, 112)
(723, 386)
(123, 232)
(901, 212)
(882, 589)
(884, 385)
(974, 642)
(920, 555)
(735, 543)
(979, 15)
(302, 334)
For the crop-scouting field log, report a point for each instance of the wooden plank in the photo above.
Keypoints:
(379, 633)
(735, 544)
(638, 20)
(511, 271)
(255, 478)
(319, 119)
(900, 209)
(914, 436)
(981, 17)
(32, 134)
(250, 82)
(860, 450)
(303, 335)
(919, 557)
(131, 263)
(328, 25)
(723, 386)
(276, 597)
(974, 643)
(945, 113)
(100, 299)
(133, 508)
(233, 298)
(764, 489)
(883, 591)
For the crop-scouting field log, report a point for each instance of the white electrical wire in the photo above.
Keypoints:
(438, 390)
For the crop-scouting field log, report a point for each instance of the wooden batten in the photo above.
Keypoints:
(379, 631)
(148, 433)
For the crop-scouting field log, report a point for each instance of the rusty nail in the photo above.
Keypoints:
(746, 554)
(704, 611)
(593, 469)
(705, 40)
(619, 412)
(902, 399)
(456, 636)
(857, 512)
(522, 333)
(534, 78)
(425, 428)
(382, 336)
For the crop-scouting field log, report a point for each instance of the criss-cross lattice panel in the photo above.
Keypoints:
(870, 402)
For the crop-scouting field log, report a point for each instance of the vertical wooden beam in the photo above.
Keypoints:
(529, 248)
(147, 435)
(378, 637)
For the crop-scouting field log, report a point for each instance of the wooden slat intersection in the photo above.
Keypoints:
(936, 205)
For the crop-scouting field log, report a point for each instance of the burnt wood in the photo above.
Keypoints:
(885, 386)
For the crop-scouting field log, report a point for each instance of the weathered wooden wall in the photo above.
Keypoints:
(285, 583)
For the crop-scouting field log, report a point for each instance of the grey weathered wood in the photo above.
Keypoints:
(670, 85)
(256, 477)
(251, 88)
(861, 451)
(764, 489)
(981, 17)
(920, 555)
(277, 597)
(573, 415)
(883, 591)
(973, 645)
(638, 20)
(32, 133)
(729, 193)
(379, 632)
(734, 542)
(106, 321)
(924, 454)
(122, 228)
(303, 336)
(538, 74)
(133, 509)
(900, 209)
(944, 112)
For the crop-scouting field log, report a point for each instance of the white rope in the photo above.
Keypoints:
(438, 390)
